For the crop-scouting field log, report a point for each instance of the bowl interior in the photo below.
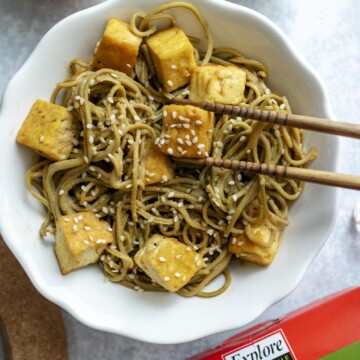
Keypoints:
(155, 317)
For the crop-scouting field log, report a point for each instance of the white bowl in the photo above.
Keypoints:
(163, 317)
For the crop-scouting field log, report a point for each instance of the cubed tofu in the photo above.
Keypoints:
(168, 262)
(158, 167)
(118, 48)
(245, 249)
(187, 131)
(261, 234)
(217, 83)
(80, 239)
(173, 57)
(50, 130)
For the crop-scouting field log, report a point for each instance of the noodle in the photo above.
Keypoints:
(105, 173)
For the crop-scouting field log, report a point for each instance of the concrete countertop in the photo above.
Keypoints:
(328, 35)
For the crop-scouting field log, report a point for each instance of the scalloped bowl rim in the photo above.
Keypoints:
(61, 296)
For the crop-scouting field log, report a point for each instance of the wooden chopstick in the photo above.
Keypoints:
(273, 117)
(308, 175)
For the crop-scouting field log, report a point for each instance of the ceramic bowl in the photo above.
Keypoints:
(164, 317)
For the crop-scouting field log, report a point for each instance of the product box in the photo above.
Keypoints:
(328, 329)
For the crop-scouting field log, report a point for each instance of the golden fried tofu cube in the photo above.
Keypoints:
(50, 130)
(80, 239)
(260, 234)
(168, 262)
(187, 131)
(158, 167)
(173, 57)
(219, 84)
(245, 249)
(118, 47)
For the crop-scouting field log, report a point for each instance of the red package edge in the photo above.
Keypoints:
(310, 332)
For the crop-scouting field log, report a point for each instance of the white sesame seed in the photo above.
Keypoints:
(76, 220)
(195, 139)
(75, 229)
(110, 100)
(267, 91)
(210, 232)
(162, 198)
(91, 139)
(162, 259)
(188, 248)
(180, 204)
(164, 178)
(248, 151)
(201, 146)
(235, 197)
(179, 149)
(198, 122)
(86, 242)
(178, 256)
(171, 194)
(87, 228)
(277, 133)
(41, 138)
(186, 126)
(67, 219)
(86, 159)
(61, 192)
(170, 83)
(231, 182)
(136, 118)
(165, 113)
(282, 106)
(170, 151)
(70, 108)
(242, 138)
(262, 182)
(173, 66)
(177, 275)
(128, 65)
(62, 157)
(105, 209)
(180, 141)
(122, 238)
(174, 114)
(128, 186)
(166, 278)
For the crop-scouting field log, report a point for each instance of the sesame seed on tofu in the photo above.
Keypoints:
(196, 134)
(159, 259)
(50, 130)
(74, 244)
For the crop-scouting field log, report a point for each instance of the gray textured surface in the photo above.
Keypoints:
(328, 35)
